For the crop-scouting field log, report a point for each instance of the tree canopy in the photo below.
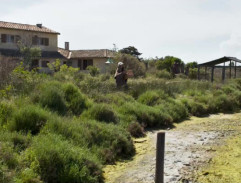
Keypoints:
(131, 50)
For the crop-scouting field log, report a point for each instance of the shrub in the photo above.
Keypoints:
(130, 63)
(146, 115)
(18, 141)
(77, 102)
(152, 98)
(7, 155)
(164, 74)
(6, 110)
(108, 141)
(29, 118)
(52, 97)
(56, 159)
(175, 109)
(102, 112)
(197, 108)
(223, 103)
(94, 71)
(136, 130)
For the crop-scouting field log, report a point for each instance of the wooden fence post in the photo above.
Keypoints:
(160, 150)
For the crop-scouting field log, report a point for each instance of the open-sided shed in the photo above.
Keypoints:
(223, 60)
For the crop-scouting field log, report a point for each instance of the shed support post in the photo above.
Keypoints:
(235, 70)
(223, 76)
(198, 73)
(206, 73)
(230, 70)
(212, 74)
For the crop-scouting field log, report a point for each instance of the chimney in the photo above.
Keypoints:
(66, 45)
(39, 25)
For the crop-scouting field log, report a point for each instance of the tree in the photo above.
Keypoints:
(28, 52)
(192, 64)
(167, 63)
(131, 50)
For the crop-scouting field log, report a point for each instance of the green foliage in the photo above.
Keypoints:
(164, 74)
(77, 102)
(57, 159)
(193, 73)
(167, 63)
(6, 110)
(146, 115)
(52, 97)
(108, 141)
(191, 65)
(29, 54)
(130, 63)
(29, 118)
(152, 97)
(94, 71)
(131, 50)
(102, 112)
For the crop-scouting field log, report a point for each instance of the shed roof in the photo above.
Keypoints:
(219, 61)
(26, 27)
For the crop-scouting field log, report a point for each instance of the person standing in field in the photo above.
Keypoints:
(121, 76)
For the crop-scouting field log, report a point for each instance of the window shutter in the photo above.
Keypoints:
(46, 41)
(35, 40)
(90, 62)
(4, 38)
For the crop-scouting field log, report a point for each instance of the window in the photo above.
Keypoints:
(86, 63)
(40, 41)
(45, 63)
(69, 63)
(80, 64)
(7, 38)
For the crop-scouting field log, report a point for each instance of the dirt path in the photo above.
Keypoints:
(189, 146)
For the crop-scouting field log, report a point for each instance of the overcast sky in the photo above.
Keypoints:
(193, 30)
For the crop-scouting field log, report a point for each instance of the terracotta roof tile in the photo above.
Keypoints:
(102, 53)
(35, 28)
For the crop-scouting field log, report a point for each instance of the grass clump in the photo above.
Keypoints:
(30, 118)
(52, 97)
(77, 102)
(136, 130)
(147, 116)
(56, 159)
(102, 112)
(6, 110)
(110, 142)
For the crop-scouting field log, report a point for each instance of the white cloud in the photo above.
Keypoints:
(232, 46)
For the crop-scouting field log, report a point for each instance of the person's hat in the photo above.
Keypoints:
(120, 63)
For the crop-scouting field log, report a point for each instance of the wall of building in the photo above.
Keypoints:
(26, 38)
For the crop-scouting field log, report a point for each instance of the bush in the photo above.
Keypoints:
(18, 141)
(136, 130)
(6, 110)
(130, 63)
(52, 97)
(29, 119)
(147, 116)
(77, 102)
(175, 109)
(94, 71)
(164, 74)
(57, 160)
(102, 112)
(152, 98)
(108, 141)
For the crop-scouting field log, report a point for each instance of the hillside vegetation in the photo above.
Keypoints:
(65, 127)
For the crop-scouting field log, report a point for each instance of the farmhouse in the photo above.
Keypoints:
(11, 34)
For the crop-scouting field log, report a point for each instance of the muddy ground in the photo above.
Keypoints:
(189, 146)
